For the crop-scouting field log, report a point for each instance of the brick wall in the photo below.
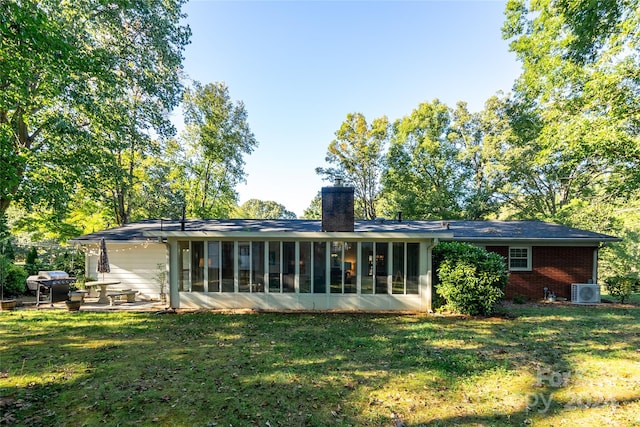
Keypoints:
(554, 267)
(337, 209)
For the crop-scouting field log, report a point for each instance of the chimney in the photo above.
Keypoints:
(184, 217)
(337, 208)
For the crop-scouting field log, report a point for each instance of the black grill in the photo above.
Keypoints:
(50, 286)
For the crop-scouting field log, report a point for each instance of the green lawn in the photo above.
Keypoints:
(532, 365)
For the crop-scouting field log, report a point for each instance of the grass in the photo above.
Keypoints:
(532, 365)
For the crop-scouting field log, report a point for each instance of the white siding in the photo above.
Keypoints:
(136, 266)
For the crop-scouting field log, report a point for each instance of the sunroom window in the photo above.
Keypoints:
(304, 267)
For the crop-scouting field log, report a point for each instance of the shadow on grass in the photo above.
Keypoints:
(554, 412)
(303, 369)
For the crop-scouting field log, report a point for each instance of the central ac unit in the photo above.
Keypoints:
(585, 293)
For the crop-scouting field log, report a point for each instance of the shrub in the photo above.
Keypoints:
(13, 278)
(32, 264)
(621, 287)
(471, 279)
(519, 299)
(71, 261)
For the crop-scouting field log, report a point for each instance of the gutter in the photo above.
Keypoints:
(530, 240)
(309, 235)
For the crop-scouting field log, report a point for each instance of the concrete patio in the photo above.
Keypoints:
(91, 304)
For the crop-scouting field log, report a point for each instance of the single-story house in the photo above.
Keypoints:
(332, 263)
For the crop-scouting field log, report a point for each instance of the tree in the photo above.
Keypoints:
(218, 136)
(314, 210)
(261, 209)
(162, 183)
(423, 178)
(480, 138)
(357, 154)
(79, 82)
(6, 247)
(575, 103)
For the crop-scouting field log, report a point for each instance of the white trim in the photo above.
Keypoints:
(528, 267)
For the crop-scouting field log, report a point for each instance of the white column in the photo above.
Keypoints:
(174, 295)
(426, 275)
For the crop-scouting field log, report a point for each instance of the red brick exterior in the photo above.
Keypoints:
(554, 267)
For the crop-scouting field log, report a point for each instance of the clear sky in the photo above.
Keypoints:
(301, 66)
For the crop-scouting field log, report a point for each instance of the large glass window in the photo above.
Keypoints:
(350, 268)
(381, 270)
(398, 268)
(257, 265)
(366, 267)
(305, 267)
(289, 266)
(319, 267)
(228, 260)
(244, 266)
(413, 268)
(184, 267)
(336, 267)
(274, 267)
(213, 264)
(197, 266)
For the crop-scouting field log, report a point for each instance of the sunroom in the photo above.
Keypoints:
(302, 270)
(333, 264)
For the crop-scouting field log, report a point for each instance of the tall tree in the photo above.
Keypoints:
(357, 156)
(162, 183)
(423, 178)
(480, 138)
(218, 135)
(576, 102)
(76, 80)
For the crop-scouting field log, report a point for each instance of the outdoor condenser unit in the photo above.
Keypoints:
(585, 293)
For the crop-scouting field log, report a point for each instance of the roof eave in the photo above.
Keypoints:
(319, 235)
(545, 241)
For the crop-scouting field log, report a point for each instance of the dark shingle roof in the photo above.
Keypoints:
(479, 231)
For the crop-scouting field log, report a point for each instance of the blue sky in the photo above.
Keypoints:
(301, 66)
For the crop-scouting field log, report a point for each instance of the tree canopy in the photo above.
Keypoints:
(260, 209)
(83, 85)
(357, 156)
(218, 136)
(576, 103)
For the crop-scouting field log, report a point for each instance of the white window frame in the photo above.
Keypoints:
(528, 267)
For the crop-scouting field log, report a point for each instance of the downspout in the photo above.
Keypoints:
(594, 273)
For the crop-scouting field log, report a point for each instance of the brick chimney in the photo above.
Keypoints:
(337, 207)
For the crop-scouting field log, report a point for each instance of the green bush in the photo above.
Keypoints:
(32, 263)
(71, 261)
(621, 287)
(519, 299)
(470, 279)
(13, 278)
